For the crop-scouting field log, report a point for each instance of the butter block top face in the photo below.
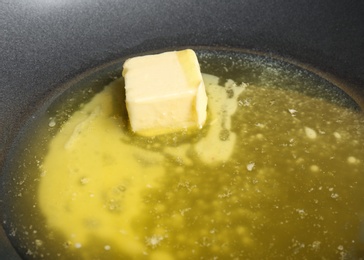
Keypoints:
(164, 92)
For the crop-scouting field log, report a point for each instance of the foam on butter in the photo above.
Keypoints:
(219, 143)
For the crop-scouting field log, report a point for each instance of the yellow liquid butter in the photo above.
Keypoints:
(95, 181)
(274, 174)
(277, 172)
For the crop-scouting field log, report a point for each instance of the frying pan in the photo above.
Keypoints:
(45, 43)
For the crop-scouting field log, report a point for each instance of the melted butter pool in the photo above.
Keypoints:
(95, 179)
(276, 173)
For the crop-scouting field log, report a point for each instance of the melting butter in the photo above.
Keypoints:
(94, 180)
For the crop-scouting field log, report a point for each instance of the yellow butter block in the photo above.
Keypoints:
(164, 92)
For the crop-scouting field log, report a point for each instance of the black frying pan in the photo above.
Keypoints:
(45, 43)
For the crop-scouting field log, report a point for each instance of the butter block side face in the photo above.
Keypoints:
(164, 92)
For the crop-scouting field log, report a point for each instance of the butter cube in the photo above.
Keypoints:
(164, 92)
